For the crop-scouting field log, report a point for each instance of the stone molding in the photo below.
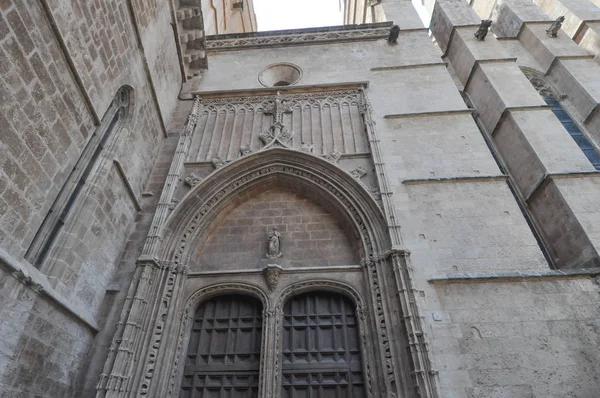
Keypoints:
(511, 276)
(298, 37)
(38, 282)
(215, 191)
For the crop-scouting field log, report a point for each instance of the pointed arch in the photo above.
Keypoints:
(319, 179)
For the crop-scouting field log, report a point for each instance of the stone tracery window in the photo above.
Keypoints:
(83, 171)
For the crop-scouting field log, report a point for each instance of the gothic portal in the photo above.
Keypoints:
(191, 207)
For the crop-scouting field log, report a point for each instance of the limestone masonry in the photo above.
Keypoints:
(193, 208)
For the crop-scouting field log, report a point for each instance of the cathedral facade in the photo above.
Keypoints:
(192, 208)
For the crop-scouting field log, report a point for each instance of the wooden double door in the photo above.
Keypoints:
(320, 348)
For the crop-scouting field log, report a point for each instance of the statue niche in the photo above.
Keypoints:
(250, 233)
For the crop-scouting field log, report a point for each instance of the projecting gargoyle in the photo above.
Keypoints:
(394, 32)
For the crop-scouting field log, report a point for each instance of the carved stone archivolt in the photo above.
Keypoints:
(274, 244)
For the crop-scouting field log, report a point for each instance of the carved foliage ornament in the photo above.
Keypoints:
(192, 180)
(312, 37)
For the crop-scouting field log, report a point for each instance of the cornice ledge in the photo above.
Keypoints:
(148, 260)
(38, 282)
(298, 36)
(485, 177)
(507, 276)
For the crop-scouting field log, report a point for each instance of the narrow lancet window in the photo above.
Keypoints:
(584, 143)
(80, 175)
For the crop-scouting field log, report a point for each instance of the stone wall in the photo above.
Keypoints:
(61, 64)
(516, 338)
(311, 235)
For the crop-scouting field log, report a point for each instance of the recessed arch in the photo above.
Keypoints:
(320, 179)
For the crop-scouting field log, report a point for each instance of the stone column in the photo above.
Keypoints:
(525, 133)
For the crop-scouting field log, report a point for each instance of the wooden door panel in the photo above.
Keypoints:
(223, 356)
(321, 354)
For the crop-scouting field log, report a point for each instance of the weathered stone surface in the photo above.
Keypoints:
(431, 209)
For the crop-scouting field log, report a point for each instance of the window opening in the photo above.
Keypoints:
(321, 351)
(584, 143)
(223, 357)
(64, 203)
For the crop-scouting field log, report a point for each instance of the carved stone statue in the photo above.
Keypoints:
(483, 29)
(555, 27)
(274, 245)
(394, 32)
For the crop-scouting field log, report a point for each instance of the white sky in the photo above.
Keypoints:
(294, 14)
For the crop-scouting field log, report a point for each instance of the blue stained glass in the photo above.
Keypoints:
(584, 144)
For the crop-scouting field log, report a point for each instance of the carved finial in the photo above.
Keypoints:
(218, 163)
(308, 148)
(394, 32)
(192, 180)
(482, 31)
(245, 150)
(359, 172)
(271, 273)
(274, 244)
(555, 27)
(333, 157)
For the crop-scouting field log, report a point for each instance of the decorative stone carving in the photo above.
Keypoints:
(376, 32)
(541, 84)
(274, 244)
(359, 172)
(482, 31)
(173, 203)
(245, 150)
(555, 27)
(394, 32)
(271, 273)
(192, 180)
(277, 134)
(308, 148)
(219, 163)
(333, 157)
(340, 108)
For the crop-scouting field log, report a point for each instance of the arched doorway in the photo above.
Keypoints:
(223, 357)
(321, 347)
